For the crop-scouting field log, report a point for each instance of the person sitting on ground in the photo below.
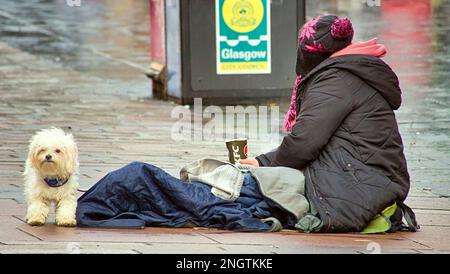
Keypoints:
(343, 133)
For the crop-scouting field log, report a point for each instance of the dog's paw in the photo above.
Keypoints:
(36, 221)
(66, 221)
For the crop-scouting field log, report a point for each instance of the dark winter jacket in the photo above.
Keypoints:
(346, 141)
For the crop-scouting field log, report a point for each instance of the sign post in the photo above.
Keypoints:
(243, 43)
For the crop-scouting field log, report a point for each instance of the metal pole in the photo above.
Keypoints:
(157, 70)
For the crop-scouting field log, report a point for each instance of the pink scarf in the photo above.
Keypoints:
(366, 48)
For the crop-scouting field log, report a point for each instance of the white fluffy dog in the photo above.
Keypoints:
(51, 175)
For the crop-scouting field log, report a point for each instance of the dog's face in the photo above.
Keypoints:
(53, 153)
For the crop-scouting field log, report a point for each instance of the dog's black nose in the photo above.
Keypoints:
(48, 157)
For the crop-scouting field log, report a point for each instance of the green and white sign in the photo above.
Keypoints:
(243, 36)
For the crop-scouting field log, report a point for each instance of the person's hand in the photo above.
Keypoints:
(249, 161)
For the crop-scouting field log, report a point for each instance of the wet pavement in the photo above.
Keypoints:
(82, 69)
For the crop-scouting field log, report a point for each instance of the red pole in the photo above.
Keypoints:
(157, 32)
(157, 70)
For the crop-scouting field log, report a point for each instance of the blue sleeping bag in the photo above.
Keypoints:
(141, 194)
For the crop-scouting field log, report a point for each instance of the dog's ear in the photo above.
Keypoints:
(71, 154)
(72, 146)
(33, 151)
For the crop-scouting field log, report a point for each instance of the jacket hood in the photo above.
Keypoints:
(371, 69)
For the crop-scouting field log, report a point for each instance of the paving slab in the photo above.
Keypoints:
(10, 207)
(435, 237)
(70, 248)
(429, 203)
(156, 248)
(433, 217)
(53, 233)
(11, 231)
(304, 242)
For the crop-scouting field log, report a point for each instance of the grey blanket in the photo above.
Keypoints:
(283, 185)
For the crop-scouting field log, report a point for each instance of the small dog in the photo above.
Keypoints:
(51, 175)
